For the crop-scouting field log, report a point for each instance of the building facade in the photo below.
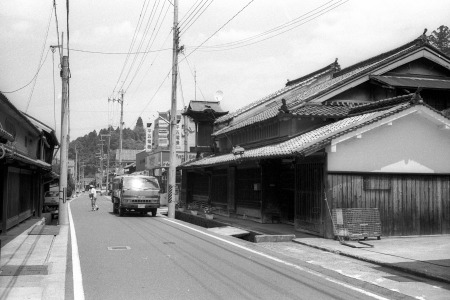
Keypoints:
(26, 151)
(372, 135)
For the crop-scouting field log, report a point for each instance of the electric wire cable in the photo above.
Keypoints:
(136, 30)
(191, 22)
(148, 46)
(149, 67)
(250, 2)
(189, 13)
(35, 75)
(119, 53)
(192, 73)
(299, 18)
(305, 20)
(40, 60)
(57, 30)
(181, 86)
(54, 88)
(151, 99)
(182, 19)
(147, 27)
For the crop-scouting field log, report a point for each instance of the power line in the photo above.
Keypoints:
(148, 46)
(35, 75)
(54, 88)
(57, 30)
(149, 67)
(220, 28)
(151, 99)
(40, 59)
(272, 29)
(187, 26)
(138, 25)
(285, 28)
(189, 13)
(119, 53)
(192, 73)
(147, 27)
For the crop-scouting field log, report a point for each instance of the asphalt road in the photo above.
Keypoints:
(144, 257)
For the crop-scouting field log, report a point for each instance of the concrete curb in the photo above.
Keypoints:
(380, 263)
(272, 238)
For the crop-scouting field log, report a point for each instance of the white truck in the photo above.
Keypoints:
(135, 193)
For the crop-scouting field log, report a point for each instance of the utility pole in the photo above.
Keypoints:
(120, 136)
(101, 163)
(120, 170)
(76, 169)
(186, 133)
(62, 209)
(173, 117)
(107, 160)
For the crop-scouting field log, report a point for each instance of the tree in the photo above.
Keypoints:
(139, 123)
(440, 38)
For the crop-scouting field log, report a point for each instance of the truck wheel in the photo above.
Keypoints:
(121, 211)
(154, 212)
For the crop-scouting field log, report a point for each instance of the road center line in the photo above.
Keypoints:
(280, 261)
(78, 291)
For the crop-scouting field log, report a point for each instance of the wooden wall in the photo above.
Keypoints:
(408, 204)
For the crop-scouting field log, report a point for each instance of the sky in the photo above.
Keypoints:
(245, 49)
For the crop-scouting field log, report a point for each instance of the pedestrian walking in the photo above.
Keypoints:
(93, 196)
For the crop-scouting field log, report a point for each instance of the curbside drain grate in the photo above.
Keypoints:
(119, 248)
(14, 270)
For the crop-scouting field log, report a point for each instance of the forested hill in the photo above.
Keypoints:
(90, 144)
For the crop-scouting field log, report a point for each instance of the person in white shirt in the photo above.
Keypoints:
(93, 196)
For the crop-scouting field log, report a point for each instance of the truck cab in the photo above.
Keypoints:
(135, 193)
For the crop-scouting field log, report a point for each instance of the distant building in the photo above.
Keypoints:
(148, 137)
(161, 131)
(71, 167)
(128, 157)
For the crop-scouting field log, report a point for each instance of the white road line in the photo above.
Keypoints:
(78, 291)
(281, 261)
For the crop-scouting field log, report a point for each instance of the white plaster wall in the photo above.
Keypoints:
(412, 144)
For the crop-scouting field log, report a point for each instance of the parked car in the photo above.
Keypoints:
(51, 201)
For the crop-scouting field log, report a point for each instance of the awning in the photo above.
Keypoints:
(23, 158)
(412, 82)
(6, 135)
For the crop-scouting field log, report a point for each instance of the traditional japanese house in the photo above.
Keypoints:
(372, 135)
(26, 151)
(203, 114)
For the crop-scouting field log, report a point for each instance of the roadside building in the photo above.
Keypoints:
(128, 157)
(372, 135)
(26, 151)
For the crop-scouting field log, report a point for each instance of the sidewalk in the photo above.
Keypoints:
(425, 256)
(33, 266)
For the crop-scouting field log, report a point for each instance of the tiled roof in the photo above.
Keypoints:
(306, 143)
(6, 135)
(305, 80)
(349, 75)
(264, 115)
(381, 104)
(325, 111)
(313, 110)
(309, 90)
(202, 105)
